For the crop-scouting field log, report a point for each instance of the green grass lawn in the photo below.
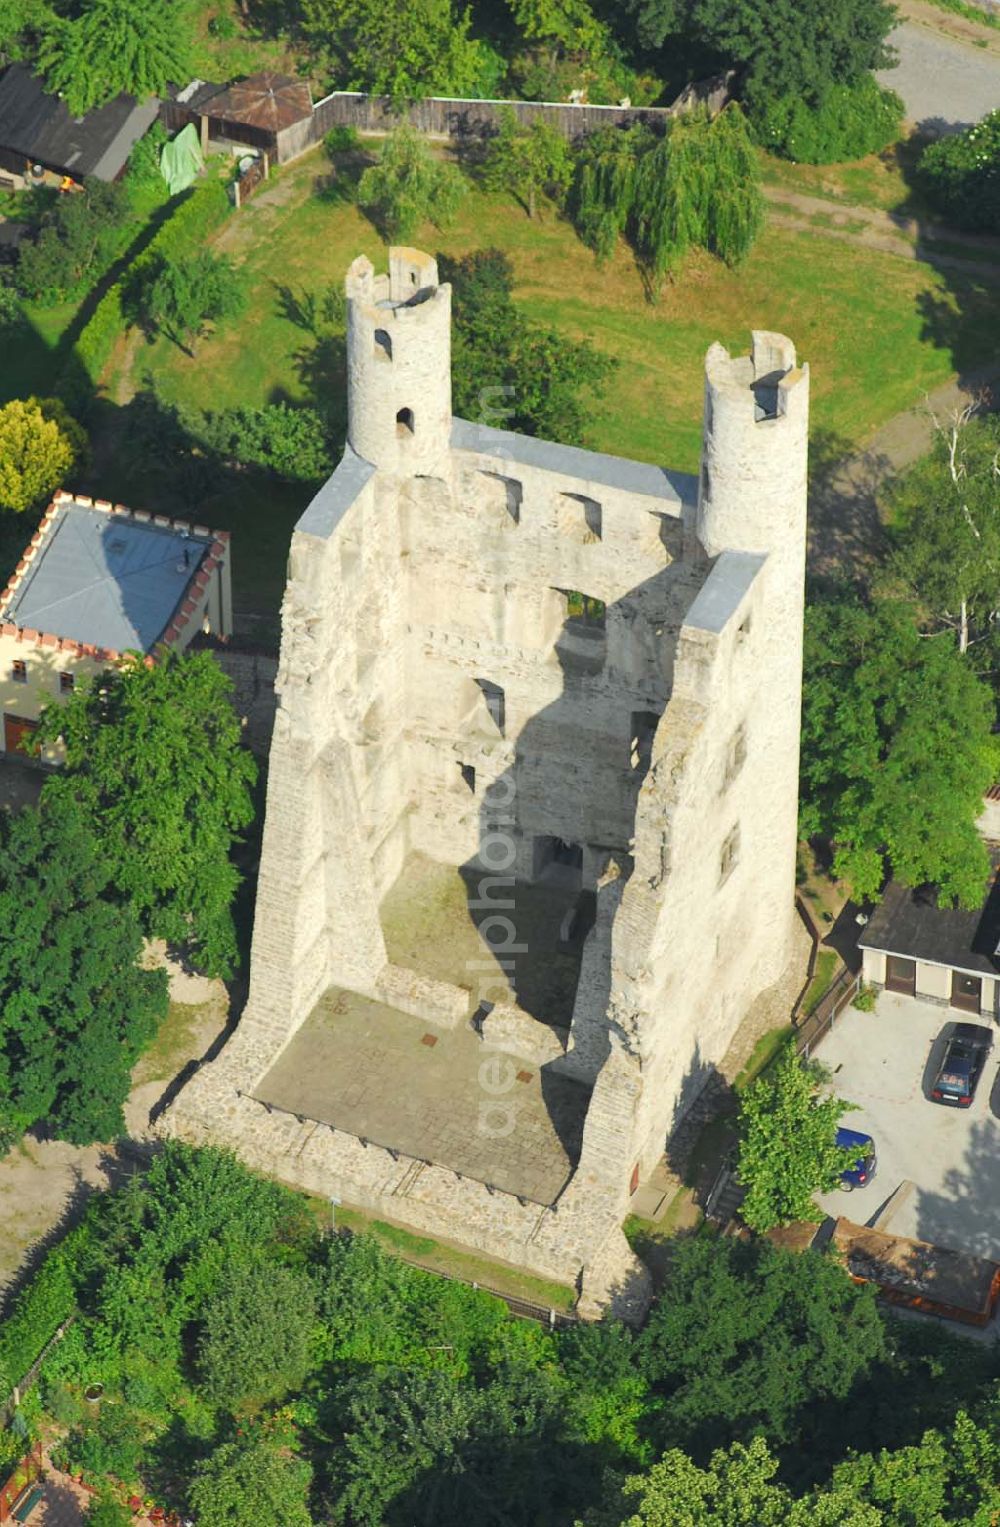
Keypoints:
(882, 181)
(826, 967)
(436, 1256)
(859, 317)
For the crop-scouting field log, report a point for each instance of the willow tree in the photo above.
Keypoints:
(604, 189)
(698, 186)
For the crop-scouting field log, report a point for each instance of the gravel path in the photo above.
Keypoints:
(945, 84)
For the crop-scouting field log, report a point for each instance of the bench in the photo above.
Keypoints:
(27, 1505)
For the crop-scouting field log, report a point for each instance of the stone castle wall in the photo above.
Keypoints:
(494, 640)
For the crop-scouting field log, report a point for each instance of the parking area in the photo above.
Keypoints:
(885, 1062)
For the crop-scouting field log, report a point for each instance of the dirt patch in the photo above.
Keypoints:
(45, 1184)
(949, 24)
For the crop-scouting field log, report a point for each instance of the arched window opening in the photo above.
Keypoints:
(383, 344)
(404, 422)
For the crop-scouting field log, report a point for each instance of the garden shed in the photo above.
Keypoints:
(269, 112)
(39, 138)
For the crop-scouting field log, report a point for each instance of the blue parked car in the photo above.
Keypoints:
(865, 1167)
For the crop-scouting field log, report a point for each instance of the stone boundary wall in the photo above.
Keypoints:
(253, 676)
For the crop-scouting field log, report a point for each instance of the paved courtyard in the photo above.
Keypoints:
(885, 1062)
(437, 1094)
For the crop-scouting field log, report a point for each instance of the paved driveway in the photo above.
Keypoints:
(945, 84)
(884, 1061)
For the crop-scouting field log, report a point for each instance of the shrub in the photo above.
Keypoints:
(854, 120)
(38, 1313)
(292, 443)
(960, 175)
(113, 1444)
(196, 216)
(176, 297)
(865, 998)
(342, 140)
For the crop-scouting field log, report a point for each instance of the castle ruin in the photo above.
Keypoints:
(529, 850)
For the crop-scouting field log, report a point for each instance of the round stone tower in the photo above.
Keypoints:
(752, 499)
(399, 364)
(752, 495)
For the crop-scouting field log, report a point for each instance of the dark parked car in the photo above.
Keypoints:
(866, 1163)
(967, 1051)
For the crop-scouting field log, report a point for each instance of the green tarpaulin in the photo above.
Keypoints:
(181, 160)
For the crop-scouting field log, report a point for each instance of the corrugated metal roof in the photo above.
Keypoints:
(106, 580)
(267, 100)
(40, 127)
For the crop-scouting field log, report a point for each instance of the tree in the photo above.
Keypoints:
(138, 46)
(509, 372)
(745, 1336)
(21, 21)
(40, 443)
(255, 1344)
(241, 1484)
(528, 161)
(409, 186)
(178, 297)
(697, 186)
(75, 1009)
(782, 49)
(897, 749)
(154, 754)
(404, 52)
(787, 1144)
(945, 519)
(77, 239)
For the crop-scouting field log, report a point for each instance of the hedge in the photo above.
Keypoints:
(40, 1309)
(196, 217)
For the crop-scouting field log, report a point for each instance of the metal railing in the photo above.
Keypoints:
(811, 1029)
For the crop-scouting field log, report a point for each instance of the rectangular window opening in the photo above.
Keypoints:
(468, 774)
(67, 683)
(729, 858)
(579, 517)
(583, 611)
(496, 703)
(736, 756)
(19, 671)
(643, 730)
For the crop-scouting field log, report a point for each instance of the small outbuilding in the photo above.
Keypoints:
(269, 112)
(40, 139)
(920, 1276)
(97, 582)
(939, 954)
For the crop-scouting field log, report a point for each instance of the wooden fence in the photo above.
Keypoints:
(461, 120)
